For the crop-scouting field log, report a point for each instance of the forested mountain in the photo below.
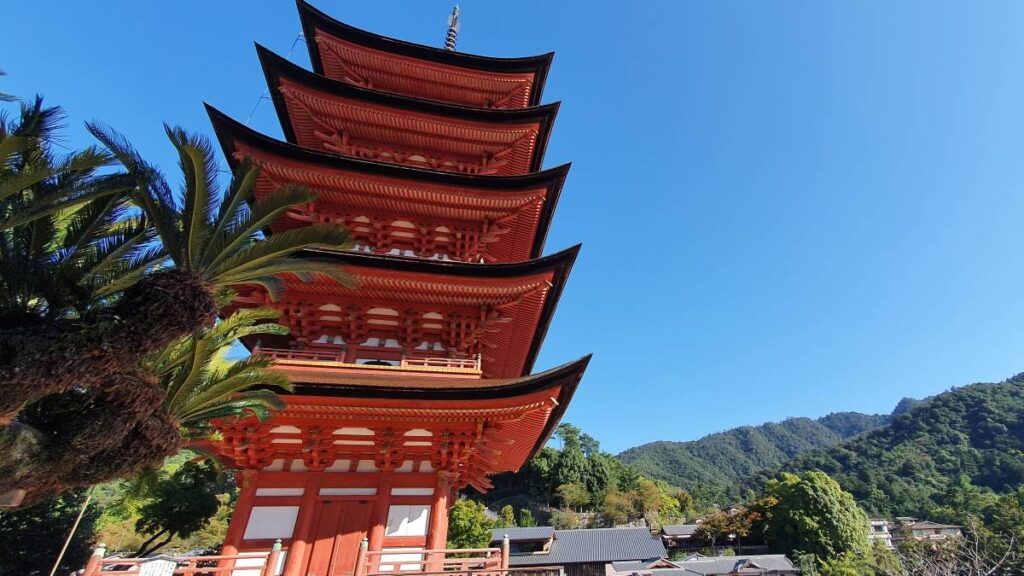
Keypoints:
(923, 459)
(725, 458)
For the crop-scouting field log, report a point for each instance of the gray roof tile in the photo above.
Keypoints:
(713, 565)
(591, 546)
(522, 534)
(679, 529)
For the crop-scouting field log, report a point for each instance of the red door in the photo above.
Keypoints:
(341, 526)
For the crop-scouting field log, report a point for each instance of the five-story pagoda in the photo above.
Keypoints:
(417, 382)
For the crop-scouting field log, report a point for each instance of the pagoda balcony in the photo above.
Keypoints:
(337, 359)
(441, 562)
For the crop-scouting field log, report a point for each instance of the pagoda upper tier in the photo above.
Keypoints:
(408, 312)
(337, 421)
(397, 210)
(333, 116)
(348, 54)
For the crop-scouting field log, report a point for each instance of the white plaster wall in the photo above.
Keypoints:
(271, 522)
(398, 555)
(408, 520)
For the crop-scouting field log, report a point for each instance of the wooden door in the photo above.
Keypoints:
(341, 526)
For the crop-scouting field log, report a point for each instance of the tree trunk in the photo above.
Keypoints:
(51, 357)
(84, 437)
(145, 548)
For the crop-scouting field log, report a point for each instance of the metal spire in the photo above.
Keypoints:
(453, 29)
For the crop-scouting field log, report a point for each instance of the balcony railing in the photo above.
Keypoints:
(467, 363)
(448, 562)
(244, 564)
(407, 362)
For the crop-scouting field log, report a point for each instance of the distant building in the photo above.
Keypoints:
(679, 536)
(927, 530)
(683, 538)
(879, 532)
(698, 565)
(588, 552)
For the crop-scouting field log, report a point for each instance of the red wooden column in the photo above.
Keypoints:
(303, 533)
(437, 533)
(240, 517)
(379, 522)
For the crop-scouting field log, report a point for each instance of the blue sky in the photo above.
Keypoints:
(787, 208)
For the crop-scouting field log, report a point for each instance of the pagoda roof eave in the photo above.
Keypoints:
(395, 385)
(559, 263)
(229, 130)
(275, 67)
(313, 19)
(567, 377)
(226, 128)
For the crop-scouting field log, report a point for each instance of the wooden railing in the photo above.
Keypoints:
(263, 563)
(468, 363)
(450, 561)
(292, 354)
(339, 357)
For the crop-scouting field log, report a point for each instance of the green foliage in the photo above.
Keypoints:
(617, 508)
(181, 503)
(883, 560)
(217, 236)
(920, 462)
(468, 525)
(616, 492)
(526, 519)
(574, 495)
(571, 466)
(203, 385)
(717, 462)
(812, 514)
(565, 520)
(68, 240)
(712, 527)
(122, 502)
(33, 537)
(506, 518)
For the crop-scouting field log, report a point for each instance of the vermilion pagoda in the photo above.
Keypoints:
(418, 382)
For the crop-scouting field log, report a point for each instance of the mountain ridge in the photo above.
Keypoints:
(921, 459)
(725, 458)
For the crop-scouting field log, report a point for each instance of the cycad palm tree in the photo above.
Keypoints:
(203, 385)
(213, 241)
(94, 409)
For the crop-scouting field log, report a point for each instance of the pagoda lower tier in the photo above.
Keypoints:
(379, 456)
(337, 117)
(487, 319)
(348, 54)
(392, 209)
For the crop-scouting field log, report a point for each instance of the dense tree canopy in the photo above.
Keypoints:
(32, 537)
(468, 525)
(914, 465)
(712, 466)
(810, 513)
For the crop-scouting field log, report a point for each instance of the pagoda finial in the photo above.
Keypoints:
(453, 29)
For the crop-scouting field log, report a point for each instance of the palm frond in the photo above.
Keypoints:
(237, 237)
(227, 390)
(151, 191)
(257, 259)
(306, 269)
(4, 97)
(233, 208)
(257, 403)
(202, 383)
(201, 195)
(85, 161)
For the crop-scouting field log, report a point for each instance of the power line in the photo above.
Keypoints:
(265, 95)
